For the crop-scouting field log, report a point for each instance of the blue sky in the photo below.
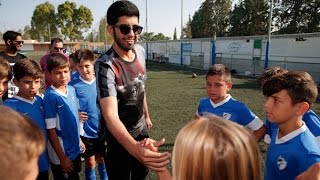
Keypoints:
(163, 15)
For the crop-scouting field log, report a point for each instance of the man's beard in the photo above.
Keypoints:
(121, 45)
(14, 48)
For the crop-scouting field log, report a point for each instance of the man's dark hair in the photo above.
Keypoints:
(56, 40)
(10, 35)
(121, 8)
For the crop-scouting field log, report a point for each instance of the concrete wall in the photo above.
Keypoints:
(293, 52)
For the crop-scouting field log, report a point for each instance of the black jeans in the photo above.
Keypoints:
(121, 165)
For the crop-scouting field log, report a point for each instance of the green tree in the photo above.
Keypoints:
(26, 32)
(150, 36)
(212, 17)
(43, 25)
(146, 36)
(90, 37)
(159, 37)
(297, 16)
(103, 32)
(249, 18)
(72, 21)
(175, 34)
(187, 31)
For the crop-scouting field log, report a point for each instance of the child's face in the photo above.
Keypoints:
(217, 88)
(3, 86)
(86, 69)
(278, 107)
(72, 65)
(28, 87)
(60, 76)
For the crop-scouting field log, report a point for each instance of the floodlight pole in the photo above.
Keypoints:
(269, 32)
(105, 34)
(147, 42)
(181, 37)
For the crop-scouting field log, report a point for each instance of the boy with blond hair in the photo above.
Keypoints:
(61, 116)
(220, 103)
(5, 77)
(27, 77)
(293, 147)
(21, 142)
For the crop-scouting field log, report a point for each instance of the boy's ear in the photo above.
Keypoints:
(229, 85)
(302, 108)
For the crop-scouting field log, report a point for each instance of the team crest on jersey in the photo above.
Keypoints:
(281, 163)
(226, 116)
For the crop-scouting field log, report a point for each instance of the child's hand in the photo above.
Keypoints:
(66, 165)
(82, 147)
(152, 144)
(83, 116)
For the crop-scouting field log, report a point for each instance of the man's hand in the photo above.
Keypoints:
(149, 123)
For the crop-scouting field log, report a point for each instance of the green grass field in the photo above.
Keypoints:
(173, 97)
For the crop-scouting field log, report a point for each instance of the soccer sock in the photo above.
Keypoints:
(90, 173)
(102, 171)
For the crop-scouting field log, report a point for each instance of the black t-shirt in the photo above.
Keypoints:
(12, 59)
(124, 80)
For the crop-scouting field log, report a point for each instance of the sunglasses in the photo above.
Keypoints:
(126, 28)
(19, 42)
(58, 49)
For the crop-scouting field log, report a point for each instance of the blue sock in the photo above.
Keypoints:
(102, 171)
(90, 173)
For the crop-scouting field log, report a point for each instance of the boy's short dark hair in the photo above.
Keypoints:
(55, 40)
(83, 54)
(10, 35)
(71, 55)
(220, 70)
(56, 60)
(269, 72)
(299, 85)
(27, 67)
(121, 8)
(5, 69)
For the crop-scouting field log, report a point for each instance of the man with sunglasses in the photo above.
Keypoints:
(13, 41)
(56, 45)
(120, 75)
